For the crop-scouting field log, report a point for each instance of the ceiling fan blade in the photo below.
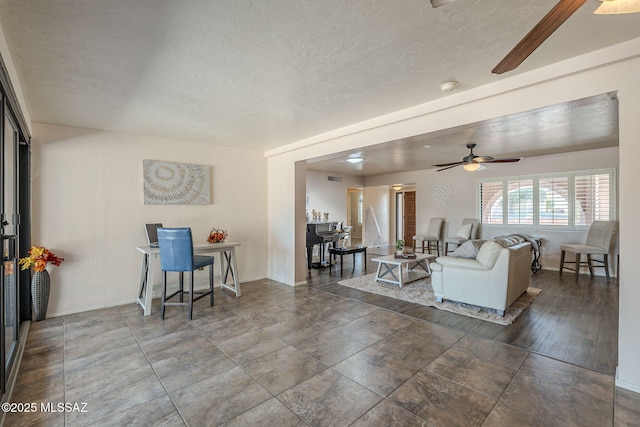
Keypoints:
(438, 3)
(482, 159)
(448, 164)
(552, 20)
(505, 160)
(449, 167)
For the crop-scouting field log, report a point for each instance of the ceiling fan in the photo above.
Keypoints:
(473, 162)
(547, 25)
(438, 3)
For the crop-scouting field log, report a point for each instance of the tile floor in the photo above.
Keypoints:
(282, 356)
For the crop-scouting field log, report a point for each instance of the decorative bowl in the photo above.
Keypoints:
(217, 235)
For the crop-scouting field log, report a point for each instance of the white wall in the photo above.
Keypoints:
(628, 374)
(329, 196)
(377, 208)
(463, 203)
(612, 69)
(88, 208)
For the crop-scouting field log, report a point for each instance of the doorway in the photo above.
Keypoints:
(405, 216)
(355, 214)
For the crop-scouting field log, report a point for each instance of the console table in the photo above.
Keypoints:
(151, 258)
(536, 249)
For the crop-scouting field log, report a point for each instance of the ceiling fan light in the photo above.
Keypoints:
(471, 166)
(355, 160)
(614, 7)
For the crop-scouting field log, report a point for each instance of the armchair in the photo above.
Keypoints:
(432, 237)
(598, 243)
(466, 231)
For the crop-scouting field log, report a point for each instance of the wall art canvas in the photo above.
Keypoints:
(170, 183)
(441, 193)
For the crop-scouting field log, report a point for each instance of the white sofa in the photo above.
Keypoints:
(494, 279)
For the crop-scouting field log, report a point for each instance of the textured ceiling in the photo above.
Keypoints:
(262, 74)
(582, 124)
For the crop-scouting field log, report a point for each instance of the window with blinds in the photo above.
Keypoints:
(491, 202)
(520, 201)
(553, 200)
(592, 198)
(564, 200)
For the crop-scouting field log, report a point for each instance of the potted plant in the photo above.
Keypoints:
(399, 246)
(39, 258)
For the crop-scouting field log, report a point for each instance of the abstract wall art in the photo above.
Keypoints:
(441, 193)
(170, 183)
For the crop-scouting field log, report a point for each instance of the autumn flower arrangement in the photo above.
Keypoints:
(216, 235)
(39, 257)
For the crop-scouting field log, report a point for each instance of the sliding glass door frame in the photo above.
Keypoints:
(15, 228)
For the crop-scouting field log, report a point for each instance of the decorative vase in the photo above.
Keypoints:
(40, 288)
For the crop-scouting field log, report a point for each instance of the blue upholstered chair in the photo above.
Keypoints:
(176, 254)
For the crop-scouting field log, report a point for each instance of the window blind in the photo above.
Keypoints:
(563, 200)
(592, 198)
(553, 200)
(520, 202)
(491, 202)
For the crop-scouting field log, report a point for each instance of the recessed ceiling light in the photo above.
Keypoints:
(355, 159)
(448, 86)
(427, 146)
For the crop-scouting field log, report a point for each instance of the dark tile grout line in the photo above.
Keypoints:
(456, 329)
(124, 318)
(383, 398)
(155, 373)
(529, 352)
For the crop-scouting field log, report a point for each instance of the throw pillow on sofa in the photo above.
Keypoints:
(464, 231)
(488, 253)
(468, 249)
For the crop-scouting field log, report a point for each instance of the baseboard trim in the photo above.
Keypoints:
(626, 385)
(585, 273)
(157, 292)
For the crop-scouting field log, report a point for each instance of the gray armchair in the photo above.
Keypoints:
(463, 234)
(598, 243)
(431, 238)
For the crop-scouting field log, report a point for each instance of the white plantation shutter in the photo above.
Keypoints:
(553, 200)
(592, 198)
(520, 202)
(491, 202)
(561, 200)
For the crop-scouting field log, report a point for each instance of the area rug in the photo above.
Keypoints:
(420, 292)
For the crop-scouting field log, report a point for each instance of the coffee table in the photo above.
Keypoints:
(416, 268)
